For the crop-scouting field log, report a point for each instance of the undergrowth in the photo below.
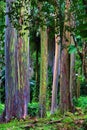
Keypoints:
(57, 121)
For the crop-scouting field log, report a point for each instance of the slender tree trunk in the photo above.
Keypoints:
(78, 85)
(72, 66)
(84, 65)
(43, 71)
(65, 98)
(55, 75)
(72, 75)
(17, 71)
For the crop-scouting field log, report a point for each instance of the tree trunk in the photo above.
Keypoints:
(43, 71)
(51, 48)
(55, 75)
(78, 85)
(85, 49)
(84, 65)
(17, 72)
(65, 97)
(72, 74)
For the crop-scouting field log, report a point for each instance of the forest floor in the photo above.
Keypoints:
(68, 121)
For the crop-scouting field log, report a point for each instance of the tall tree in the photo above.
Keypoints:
(43, 67)
(43, 71)
(72, 74)
(56, 74)
(84, 65)
(78, 84)
(72, 65)
(65, 98)
(17, 67)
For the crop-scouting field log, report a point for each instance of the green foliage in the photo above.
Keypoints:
(78, 10)
(83, 88)
(68, 120)
(33, 109)
(84, 126)
(72, 49)
(78, 63)
(80, 32)
(32, 88)
(81, 102)
(2, 26)
(1, 108)
(2, 87)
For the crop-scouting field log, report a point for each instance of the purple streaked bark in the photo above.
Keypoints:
(16, 72)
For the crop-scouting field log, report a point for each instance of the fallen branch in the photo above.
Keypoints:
(57, 121)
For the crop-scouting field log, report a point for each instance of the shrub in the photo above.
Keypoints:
(81, 102)
(33, 109)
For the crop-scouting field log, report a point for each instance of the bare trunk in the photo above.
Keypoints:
(78, 85)
(16, 73)
(55, 75)
(65, 97)
(43, 71)
(84, 65)
(72, 75)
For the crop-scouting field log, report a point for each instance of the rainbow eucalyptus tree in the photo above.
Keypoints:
(43, 72)
(17, 63)
(56, 73)
(43, 67)
(65, 97)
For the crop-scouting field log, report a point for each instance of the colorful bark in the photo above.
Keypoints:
(17, 72)
(55, 75)
(65, 98)
(72, 74)
(43, 71)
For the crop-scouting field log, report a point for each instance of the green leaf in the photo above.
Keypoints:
(72, 49)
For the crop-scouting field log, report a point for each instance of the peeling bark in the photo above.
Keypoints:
(72, 73)
(16, 72)
(43, 71)
(56, 74)
(65, 97)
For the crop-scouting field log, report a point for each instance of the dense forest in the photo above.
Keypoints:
(43, 64)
